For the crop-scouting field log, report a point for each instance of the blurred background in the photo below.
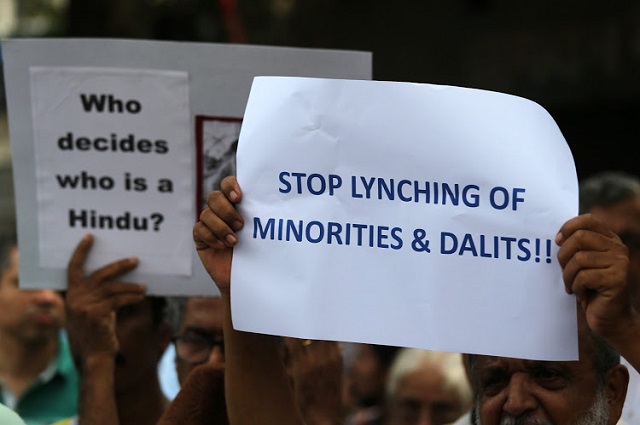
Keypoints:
(580, 59)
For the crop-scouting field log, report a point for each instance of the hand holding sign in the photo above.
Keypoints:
(214, 235)
(595, 265)
(93, 300)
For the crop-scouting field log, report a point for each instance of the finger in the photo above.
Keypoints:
(218, 228)
(582, 222)
(204, 238)
(113, 270)
(112, 289)
(75, 268)
(604, 281)
(587, 240)
(584, 261)
(118, 301)
(231, 189)
(221, 207)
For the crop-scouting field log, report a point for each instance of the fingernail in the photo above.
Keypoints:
(237, 225)
(231, 239)
(233, 196)
(559, 238)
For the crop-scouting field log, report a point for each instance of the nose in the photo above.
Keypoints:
(45, 297)
(425, 420)
(216, 357)
(520, 400)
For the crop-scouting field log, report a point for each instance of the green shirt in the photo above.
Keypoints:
(54, 395)
(9, 417)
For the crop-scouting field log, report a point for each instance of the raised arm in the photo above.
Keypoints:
(315, 367)
(595, 267)
(92, 302)
(257, 387)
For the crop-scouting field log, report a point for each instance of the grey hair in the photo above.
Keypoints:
(607, 188)
(175, 312)
(409, 360)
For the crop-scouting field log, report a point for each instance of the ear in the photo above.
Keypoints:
(616, 391)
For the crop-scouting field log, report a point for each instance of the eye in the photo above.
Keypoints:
(493, 382)
(444, 413)
(409, 410)
(549, 377)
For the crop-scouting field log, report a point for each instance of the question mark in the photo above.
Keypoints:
(158, 218)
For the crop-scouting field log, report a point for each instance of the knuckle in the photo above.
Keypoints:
(215, 197)
(581, 236)
(582, 258)
(203, 214)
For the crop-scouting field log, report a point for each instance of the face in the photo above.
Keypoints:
(200, 335)
(424, 398)
(366, 377)
(556, 392)
(624, 219)
(527, 392)
(31, 316)
(142, 342)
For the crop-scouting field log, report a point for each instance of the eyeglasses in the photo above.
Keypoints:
(196, 346)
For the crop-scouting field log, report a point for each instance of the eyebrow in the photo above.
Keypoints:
(202, 331)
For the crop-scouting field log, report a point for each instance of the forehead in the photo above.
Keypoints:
(621, 217)
(203, 313)
(425, 382)
(486, 364)
(586, 364)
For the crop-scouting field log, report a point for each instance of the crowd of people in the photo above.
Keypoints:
(90, 355)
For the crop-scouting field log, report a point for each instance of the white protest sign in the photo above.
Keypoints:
(114, 157)
(403, 214)
(77, 171)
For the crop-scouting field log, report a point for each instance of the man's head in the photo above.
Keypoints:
(198, 325)
(590, 391)
(615, 199)
(427, 388)
(367, 374)
(143, 334)
(32, 317)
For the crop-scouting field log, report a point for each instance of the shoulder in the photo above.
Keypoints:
(9, 417)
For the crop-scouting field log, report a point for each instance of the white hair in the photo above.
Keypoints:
(410, 360)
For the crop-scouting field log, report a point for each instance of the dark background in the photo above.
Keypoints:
(579, 59)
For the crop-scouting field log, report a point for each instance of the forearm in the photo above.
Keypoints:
(97, 397)
(200, 400)
(257, 387)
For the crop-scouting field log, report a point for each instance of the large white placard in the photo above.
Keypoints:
(403, 214)
(191, 95)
